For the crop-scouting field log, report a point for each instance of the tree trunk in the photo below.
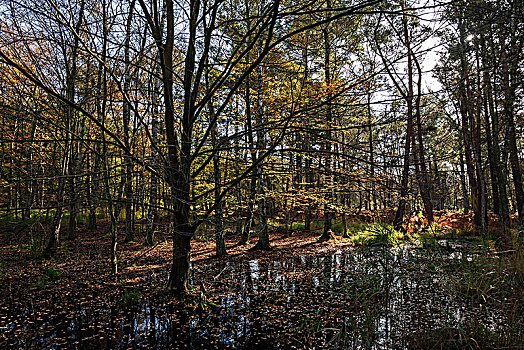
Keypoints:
(262, 210)
(407, 95)
(153, 194)
(219, 219)
(328, 233)
(508, 74)
(180, 159)
(244, 239)
(179, 275)
(465, 106)
(74, 207)
(423, 173)
(71, 71)
(126, 119)
(499, 179)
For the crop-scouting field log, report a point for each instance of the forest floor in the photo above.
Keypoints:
(376, 288)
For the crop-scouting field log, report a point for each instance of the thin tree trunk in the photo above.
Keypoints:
(105, 156)
(328, 233)
(508, 73)
(262, 210)
(244, 239)
(408, 97)
(153, 194)
(75, 146)
(498, 176)
(126, 118)
(424, 180)
(71, 71)
(219, 219)
(465, 106)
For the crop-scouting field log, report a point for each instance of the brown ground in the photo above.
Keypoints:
(84, 280)
(84, 262)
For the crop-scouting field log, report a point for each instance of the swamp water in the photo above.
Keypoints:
(377, 298)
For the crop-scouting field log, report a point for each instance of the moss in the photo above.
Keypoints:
(130, 299)
(52, 273)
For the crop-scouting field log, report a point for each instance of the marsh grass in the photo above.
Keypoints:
(376, 234)
(130, 299)
(52, 273)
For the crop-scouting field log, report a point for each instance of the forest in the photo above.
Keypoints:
(261, 174)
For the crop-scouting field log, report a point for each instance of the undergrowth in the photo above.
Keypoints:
(376, 234)
(130, 299)
(53, 273)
